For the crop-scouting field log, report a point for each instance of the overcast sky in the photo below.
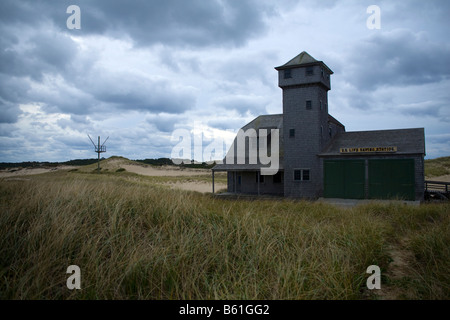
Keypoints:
(138, 69)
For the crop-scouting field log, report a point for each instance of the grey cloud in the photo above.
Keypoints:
(9, 112)
(175, 22)
(397, 58)
(242, 103)
(164, 122)
(227, 123)
(34, 51)
(132, 92)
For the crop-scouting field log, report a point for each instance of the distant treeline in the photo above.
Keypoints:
(36, 164)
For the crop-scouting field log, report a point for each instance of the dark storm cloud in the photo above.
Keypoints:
(173, 22)
(243, 104)
(32, 51)
(36, 47)
(397, 59)
(165, 122)
(124, 91)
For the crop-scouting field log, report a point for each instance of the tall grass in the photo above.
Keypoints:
(135, 240)
(437, 167)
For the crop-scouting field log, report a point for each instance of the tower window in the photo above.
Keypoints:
(291, 133)
(330, 132)
(309, 71)
(287, 73)
(308, 105)
(320, 104)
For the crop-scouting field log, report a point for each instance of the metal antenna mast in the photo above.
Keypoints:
(99, 149)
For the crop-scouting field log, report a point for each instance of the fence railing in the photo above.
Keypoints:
(440, 189)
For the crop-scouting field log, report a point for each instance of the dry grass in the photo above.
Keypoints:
(437, 167)
(135, 240)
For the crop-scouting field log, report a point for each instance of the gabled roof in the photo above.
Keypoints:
(272, 121)
(407, 141)
(303, 59)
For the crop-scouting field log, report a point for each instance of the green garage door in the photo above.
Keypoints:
(344, 179)
(389, 179)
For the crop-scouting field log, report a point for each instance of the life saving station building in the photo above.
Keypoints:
(317, 157)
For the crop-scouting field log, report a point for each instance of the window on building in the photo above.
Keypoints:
(309, 71)
(287, 73)
(301, 175)
(321, 131)
(308, 105)
(305, 175)
(277, 177)
(320, 104)
(239, 180)
(297, 175)
(291, 133)
(330, 132)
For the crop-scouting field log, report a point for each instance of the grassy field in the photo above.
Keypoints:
(134, 239)
(437, 167)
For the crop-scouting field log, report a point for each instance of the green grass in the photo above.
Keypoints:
(437, 167)
(134, 239)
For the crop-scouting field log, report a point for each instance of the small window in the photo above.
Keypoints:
(305, 175)
(287, 73)
(320, 104)
(239, 180)
(321, 71)
(302, 175)
(321, 131)
(330, 132)
(297, 175)
(308, 105)
(309, 71)
(291, 133)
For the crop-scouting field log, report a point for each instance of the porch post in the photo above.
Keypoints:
(213, 181)
(258, 174)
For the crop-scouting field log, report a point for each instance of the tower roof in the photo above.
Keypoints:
(303, 59)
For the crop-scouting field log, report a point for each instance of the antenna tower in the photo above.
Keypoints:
(99, 149)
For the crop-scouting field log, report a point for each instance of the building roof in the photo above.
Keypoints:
(303, 59)
(407, 141)
(272, 121)
(332, 119)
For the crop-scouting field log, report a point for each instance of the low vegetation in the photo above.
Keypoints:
(134, 239)
(437, 167)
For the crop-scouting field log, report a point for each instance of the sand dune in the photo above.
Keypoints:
(146, 170)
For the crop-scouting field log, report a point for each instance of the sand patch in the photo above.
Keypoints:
(445, 178)
(14, 172)
(202, 187)
(164, 171)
